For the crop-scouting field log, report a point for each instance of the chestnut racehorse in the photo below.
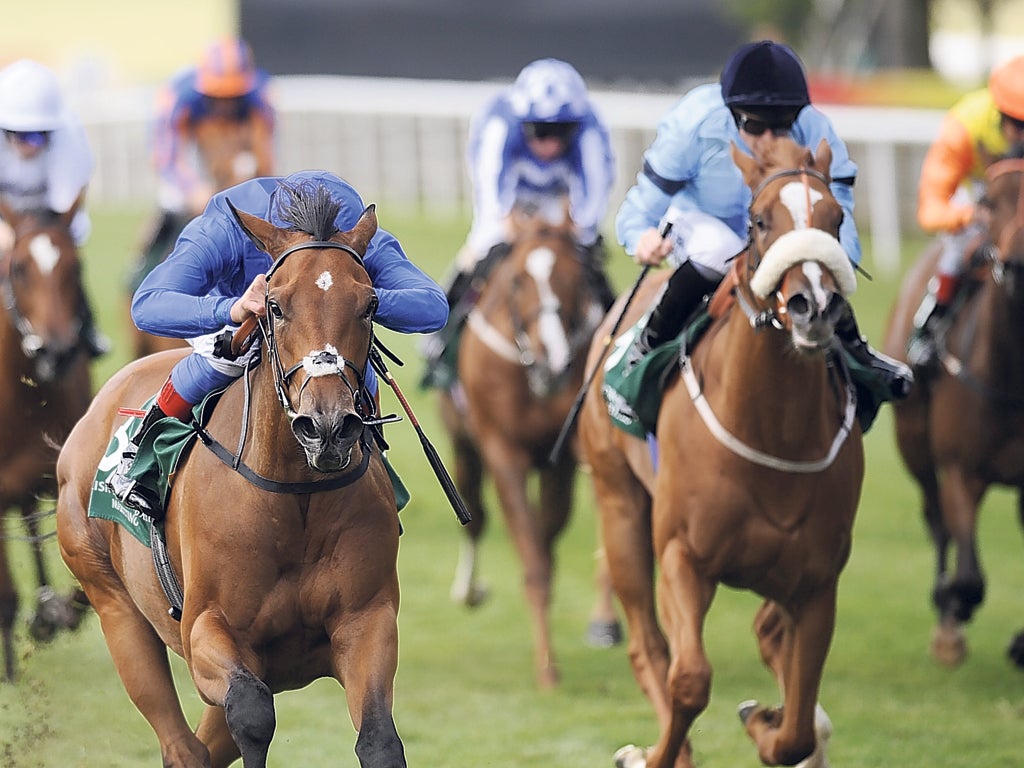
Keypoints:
(963, 429)
(283, 583)
(230, 153)
(520, 365)
(44, 389)
(758, 478)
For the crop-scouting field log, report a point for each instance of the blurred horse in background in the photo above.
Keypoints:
(962, 430)
(226, 150)
(520, 365)
(759, 472)
(45, 388)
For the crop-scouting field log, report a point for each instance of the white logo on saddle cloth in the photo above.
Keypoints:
(117, 446)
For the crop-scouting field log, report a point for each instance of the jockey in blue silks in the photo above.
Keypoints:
(689, 180)
(215, 278)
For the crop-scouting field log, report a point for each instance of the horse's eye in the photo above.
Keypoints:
(986, 203)
(371, 308)
(275, 310)
(759, 223)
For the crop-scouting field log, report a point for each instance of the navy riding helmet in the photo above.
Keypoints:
(764, 75)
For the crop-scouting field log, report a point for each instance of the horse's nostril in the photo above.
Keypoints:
(304, 428)
(351, 427)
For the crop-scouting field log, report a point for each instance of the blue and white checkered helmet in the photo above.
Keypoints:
(549, 91)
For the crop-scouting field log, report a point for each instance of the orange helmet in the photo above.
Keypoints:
(226, 70)
(1006, 85)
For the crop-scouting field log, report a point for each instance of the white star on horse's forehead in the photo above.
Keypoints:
(324, 281)
(800, 200)
(44, 252)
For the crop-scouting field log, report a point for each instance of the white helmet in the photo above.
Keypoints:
(30, 98)
(549, 91)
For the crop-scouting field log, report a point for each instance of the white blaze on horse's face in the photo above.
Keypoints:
(800, 199)
(552, 335)
(44, 252)
(324, 281)
(815, 276)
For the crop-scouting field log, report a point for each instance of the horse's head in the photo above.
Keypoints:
(540, 298)
(796, 267)
(1003, 208)
(40, 280)
(319, 324)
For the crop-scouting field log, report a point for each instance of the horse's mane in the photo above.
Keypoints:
(307, 206)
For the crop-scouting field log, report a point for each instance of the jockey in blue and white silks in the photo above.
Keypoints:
(538, 140)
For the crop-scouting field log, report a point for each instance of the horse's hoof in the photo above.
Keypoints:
(746, 709)
(472, 596)
(949, 646)
(631, 756)
(604, 634)
(1016, 650)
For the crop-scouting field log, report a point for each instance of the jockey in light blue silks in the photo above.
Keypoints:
(690, 180)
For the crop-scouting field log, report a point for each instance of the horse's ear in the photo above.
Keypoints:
(262, 233)
(748, 166)
(823, 158)
(364, 230)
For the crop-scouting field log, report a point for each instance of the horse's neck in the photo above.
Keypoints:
(996, 327)
(759, 376)
(270, 446)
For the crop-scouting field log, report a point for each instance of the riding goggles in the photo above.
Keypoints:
(756, 126)
(563, 131)
(32, 138)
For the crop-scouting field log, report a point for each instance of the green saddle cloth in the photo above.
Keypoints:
(633, 396)
(160, 453)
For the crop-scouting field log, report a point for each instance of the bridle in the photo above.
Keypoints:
(326, 361)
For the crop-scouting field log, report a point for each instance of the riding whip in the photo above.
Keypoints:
(447, 484)
(577, 406)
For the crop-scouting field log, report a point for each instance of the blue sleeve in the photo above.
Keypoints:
(671, 161)
(188, 294)
(410, 300)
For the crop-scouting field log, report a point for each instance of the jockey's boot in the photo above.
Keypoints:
(133, 492)
(594, 257)
(897, 377)
(678, 301)
(96, 342)
(921, 349)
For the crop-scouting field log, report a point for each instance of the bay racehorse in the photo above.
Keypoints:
(288, 571)
(520, 364)
(963, 429)
(44, 389)
(760, 465)
(229, 152)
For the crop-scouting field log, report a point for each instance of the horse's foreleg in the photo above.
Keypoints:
(527, 533)
(8, 607)
(684, 597)
(802, 640)
(603, 628)
(223, 679)
(466, 586)
(957, 596)
(366, 661)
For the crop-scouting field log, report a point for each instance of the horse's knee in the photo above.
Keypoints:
(690, 688)
(378, 745)
(249, 711)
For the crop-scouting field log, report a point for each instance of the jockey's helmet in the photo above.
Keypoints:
(1006, 84)
(549, 91)
(30, 98)
(764, 76)
(227, 70)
